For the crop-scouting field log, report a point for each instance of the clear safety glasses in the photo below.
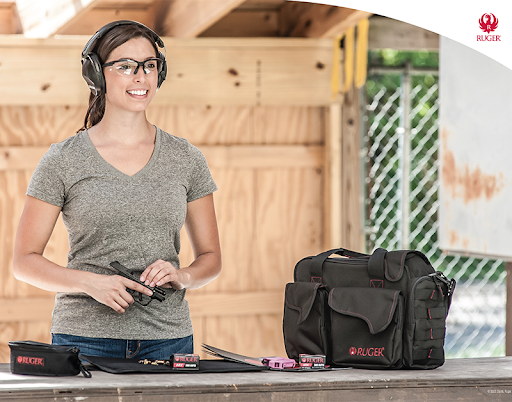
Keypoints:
(128, 66)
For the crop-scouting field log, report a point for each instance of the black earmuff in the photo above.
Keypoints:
(92, 71)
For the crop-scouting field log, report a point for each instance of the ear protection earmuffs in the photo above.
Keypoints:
(91, 63)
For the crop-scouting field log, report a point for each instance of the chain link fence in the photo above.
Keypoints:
(400, 147)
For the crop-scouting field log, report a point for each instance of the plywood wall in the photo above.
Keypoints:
(268, 164)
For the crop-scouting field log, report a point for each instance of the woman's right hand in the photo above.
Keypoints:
(111, 290)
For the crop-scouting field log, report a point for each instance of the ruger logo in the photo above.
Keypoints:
(366, 351)
(488, 23)
(33, 361)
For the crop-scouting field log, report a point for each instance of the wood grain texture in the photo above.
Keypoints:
(352, 221)
(288, 223)
(204, 71)
(39, 125)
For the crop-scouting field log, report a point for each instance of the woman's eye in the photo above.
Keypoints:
(151, 65)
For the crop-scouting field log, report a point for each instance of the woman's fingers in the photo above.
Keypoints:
(158, 273)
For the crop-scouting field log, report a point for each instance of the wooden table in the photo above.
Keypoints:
(481, 379)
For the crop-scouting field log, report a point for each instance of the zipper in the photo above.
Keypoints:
(42, 346)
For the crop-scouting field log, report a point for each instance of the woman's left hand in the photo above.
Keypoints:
(163, 273)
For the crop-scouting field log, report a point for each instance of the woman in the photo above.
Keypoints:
(125, 188)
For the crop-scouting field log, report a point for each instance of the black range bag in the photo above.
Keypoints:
(384, 311)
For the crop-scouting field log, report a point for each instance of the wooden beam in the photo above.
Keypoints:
(386, 33)
(41, 19)
(9, 19)
(333, 178)
(95, 17)
(352, 235)
(236, 156)
(318, 20)
(249, 71)
(247, 24)
(201, 305)
(188, 18)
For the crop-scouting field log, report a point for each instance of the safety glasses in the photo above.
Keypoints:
(129, 66)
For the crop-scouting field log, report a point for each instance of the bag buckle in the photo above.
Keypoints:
(440, 278)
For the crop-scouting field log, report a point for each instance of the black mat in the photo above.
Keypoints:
(122, 366)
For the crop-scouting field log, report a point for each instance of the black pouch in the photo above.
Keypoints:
(366, 327)
(306, 320)
(35, 358)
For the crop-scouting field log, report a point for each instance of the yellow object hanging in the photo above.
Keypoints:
(349, 59)
(361, 53)
(336, 68)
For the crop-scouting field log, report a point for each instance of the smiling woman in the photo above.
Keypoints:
(125, 189)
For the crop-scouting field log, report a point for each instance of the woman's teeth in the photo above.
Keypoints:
(140, 92)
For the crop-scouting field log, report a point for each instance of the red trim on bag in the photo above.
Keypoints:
(432, 296)
(316, 279)
(429, 315)
(429, 353)
(376, 283)
(431, 334)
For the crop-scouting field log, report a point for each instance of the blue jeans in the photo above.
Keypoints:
(158, 349)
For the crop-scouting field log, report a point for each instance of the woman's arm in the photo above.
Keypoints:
(34, 230)
(201, 227)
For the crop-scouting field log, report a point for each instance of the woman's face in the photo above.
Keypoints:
(131, 92)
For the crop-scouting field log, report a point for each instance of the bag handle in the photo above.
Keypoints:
(317, 261)
(376, 265)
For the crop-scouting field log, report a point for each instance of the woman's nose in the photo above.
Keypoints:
(139, 76)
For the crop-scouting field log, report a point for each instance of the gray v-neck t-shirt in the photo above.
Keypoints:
(135, 220)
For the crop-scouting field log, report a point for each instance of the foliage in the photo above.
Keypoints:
(398, 58)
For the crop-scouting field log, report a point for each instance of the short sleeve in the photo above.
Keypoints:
(46, 183)
(201, 182)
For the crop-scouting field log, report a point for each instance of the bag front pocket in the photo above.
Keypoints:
(366, 327)
(305, 319)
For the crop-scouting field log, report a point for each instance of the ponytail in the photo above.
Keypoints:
(95, 111)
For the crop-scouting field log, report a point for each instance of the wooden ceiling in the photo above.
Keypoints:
(178, 18)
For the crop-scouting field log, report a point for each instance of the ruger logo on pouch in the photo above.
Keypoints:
(33, 361)
(488, 23)
(366, 351)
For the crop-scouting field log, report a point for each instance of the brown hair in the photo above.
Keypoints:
(106, 45)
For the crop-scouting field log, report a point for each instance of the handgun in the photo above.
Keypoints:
(158, 292)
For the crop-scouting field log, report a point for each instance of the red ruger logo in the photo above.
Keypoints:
(488, 23)
(366, 351)
(34, 361)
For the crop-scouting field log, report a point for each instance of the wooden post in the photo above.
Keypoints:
(351, 172)
(333, 178)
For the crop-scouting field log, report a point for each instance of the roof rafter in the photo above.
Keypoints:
(317, 20)
(42, 19)
(188, 18)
